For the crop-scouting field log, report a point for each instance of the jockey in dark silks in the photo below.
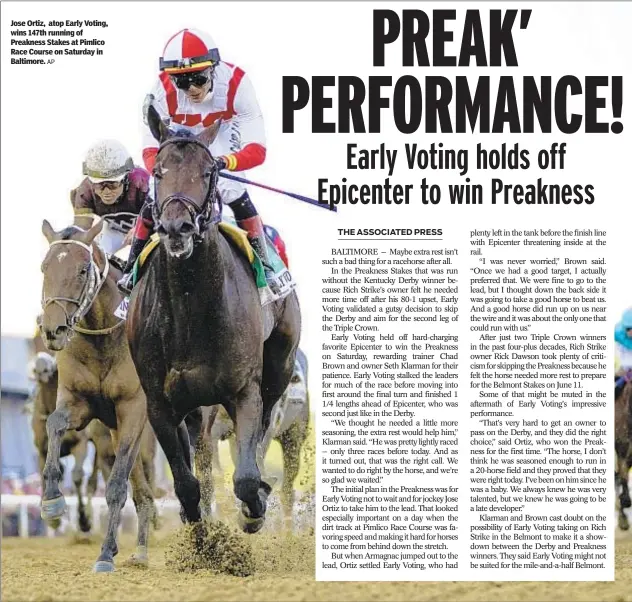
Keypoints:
(113, 188)
(623, 350)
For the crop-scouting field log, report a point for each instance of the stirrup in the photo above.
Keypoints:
(271, 279)
(125, 285)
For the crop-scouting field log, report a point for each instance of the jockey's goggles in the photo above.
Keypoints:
(184, 81)
(198, 62)
(109, 184)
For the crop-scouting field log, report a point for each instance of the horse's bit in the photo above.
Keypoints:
(201, 216)
(88, 294)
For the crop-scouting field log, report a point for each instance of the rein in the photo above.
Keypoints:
(202, 216)
(88, 295)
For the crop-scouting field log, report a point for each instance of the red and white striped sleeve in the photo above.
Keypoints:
(248, 119)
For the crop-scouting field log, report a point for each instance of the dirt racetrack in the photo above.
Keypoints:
(58, 569)
(47, 570)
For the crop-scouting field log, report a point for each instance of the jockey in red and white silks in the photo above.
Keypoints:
(194, 89)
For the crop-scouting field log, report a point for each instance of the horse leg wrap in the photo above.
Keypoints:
(139, 558)
(53, 509)
(103, 566)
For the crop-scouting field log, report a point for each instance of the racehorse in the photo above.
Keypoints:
(288, 426)
(44, 371)
(197, 331)
(97, 378)
(623, 444)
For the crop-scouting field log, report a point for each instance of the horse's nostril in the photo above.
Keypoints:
(60, 330)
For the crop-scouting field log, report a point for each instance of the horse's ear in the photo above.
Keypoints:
(91, 234)
(208, 135)
(48, 231)
(159, 129)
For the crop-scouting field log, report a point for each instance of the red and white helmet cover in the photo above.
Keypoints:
(188, 51)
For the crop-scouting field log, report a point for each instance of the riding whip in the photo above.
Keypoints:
(290, 194)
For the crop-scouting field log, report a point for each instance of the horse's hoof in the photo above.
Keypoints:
(103, 566)
(82, 538)
(251, 525)
(53, 509)
(138, 559)
(625, 501)
(85, 526)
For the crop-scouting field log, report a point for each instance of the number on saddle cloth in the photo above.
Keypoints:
(115, 226)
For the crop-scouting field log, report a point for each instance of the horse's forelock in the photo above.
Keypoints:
(68, 232)
(181, 150)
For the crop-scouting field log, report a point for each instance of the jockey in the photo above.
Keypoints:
(195, 88)
(114, 187)
(623, 347)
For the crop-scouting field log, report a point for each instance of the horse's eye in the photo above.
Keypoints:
(208, 173)
(84, 269)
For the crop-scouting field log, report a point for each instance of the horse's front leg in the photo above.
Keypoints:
(203, 459)
(142, 494)
(80, 453)
(71, 413)
(174, 441)
(130, 419)
(248, 486)
(291, 444)
(93, 480)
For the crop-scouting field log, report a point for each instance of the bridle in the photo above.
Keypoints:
(89, 293)
(202, 215)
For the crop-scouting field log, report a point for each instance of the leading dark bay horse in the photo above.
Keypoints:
(97, 378)
(197, 331)
(623, 443)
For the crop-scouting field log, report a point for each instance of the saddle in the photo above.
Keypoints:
(239, 239)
